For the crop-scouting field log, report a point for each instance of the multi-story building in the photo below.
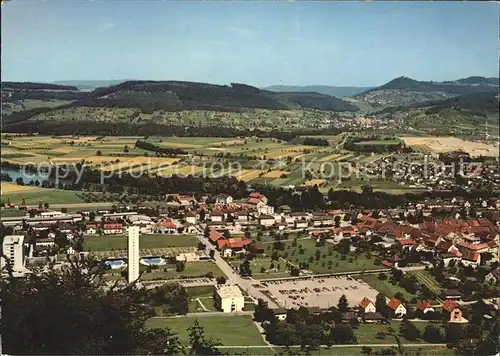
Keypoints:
(228, 298)
(13, 250)
(133, 253)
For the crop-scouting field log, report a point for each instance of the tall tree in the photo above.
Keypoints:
(200, 345)
(70, 311)
(343, 304)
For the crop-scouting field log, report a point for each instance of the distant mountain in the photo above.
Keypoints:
(90, 84)
(404, 91)
(322, 89)
(176, 96)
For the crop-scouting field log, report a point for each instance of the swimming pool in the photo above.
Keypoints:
(115, 264)
(152, 261)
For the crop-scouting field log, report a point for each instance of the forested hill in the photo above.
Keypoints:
(176, 96)
(35, 86)
(404, 91)
(477, 102)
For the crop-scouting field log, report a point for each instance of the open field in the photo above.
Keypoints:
(117, 242)
(313, 182)
(15, 188)
(447, 144)
(379, 142)
(385, 287)
(320, 292)
(230, 330)
(34, 195)
(366, 333)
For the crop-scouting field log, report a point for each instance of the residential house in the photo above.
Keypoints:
(215, 236)
(229, 246)
(91, 229)
(397, 307)
(216, 216)
(112, 228)
(223, 199)
(453, 312)
(367, 306)
(261, 197)
(298, 215)
(493, 276)
(322, 220)
(301, 224)
(241, 216)
(471, 258)
(165, 226)
(280, 313)
(425, 307)
(373, 318)
(191, 217)
(266, 220)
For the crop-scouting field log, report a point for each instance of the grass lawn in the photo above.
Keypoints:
(230, 330)
(46, 195)
(205, 294)
(426, 278)
(9, 213)
(385, 286)
(366, 333)
(192, 269)
(117, 242)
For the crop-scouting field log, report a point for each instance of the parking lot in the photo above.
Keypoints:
(320, 292)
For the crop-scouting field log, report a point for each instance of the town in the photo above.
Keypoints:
(434, 261)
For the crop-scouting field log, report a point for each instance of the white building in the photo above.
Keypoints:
(133, 253)
(228, 298)
(13, 250)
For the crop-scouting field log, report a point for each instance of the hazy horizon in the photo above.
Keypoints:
(363, 44)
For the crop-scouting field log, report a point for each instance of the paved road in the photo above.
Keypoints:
(234, 278)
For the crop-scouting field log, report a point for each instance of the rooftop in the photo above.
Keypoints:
(228, 291)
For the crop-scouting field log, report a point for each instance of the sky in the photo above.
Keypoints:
(252, 42)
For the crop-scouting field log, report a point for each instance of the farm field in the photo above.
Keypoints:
(424, 277)
(34, 195)
(118, 242)
(447, 144)
(385, 287)
(243, 330)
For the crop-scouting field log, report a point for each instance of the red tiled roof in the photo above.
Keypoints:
(231, 243)
(254, 201)
(473, 247)
(214, 236)
(90, 226)
(394, 303)
(168, 223)
(405, 242)
(424, 305)
(365, 302)
(386, 263)
(449, 305)
(470, 256)
(112, 226)
(256, 195)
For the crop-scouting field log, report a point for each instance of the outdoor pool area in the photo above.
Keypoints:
(152, 261)
(116, 263)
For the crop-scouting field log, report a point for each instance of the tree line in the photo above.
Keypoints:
(156, 148)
